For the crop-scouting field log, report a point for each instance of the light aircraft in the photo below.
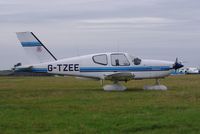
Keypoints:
(187, 70)
(192, 70)
(113, 66)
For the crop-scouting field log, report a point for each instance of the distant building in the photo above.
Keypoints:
(6, 72)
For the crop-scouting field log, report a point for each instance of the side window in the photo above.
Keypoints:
(137, 61)
(100, 59)
(119, 60)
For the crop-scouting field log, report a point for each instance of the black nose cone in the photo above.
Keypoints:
(178, 65)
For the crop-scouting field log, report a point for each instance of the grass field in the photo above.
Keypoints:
(59, 105)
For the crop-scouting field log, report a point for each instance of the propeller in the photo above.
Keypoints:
(177, 65)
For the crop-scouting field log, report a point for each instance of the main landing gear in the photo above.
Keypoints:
(116, 86)
(157, 86)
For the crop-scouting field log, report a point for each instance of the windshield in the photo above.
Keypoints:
(119, 60)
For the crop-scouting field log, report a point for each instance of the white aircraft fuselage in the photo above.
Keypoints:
(85, 66)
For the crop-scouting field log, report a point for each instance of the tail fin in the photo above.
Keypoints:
(35, 49)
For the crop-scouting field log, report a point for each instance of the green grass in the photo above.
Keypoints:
(59, 105)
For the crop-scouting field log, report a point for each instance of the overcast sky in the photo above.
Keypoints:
(150, 29)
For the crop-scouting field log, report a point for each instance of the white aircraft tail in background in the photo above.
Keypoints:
(36, 51)
(113, 66)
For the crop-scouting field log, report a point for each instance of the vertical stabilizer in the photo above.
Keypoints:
(36, 51)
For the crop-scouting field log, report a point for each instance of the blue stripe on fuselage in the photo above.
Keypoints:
(124, 69)
(107, 69)
(39, 70)
(35, 70)
(30, 44)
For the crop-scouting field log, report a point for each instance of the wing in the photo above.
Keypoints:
(120, 77)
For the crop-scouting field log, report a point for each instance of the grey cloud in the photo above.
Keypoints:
(95, 9)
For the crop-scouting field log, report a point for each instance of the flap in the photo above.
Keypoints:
(120, 76)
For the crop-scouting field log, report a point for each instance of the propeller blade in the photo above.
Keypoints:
(177, 65)
(176, 60)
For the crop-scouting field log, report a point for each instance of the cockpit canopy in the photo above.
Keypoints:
(117, 59)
